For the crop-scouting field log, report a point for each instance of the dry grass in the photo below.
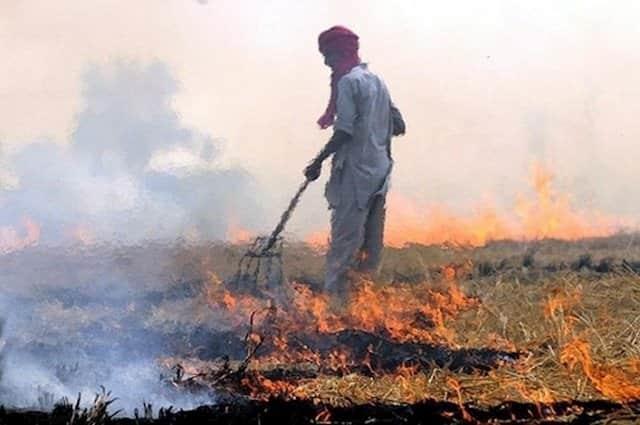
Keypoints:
(581, 329)
(602, 312)
(560, 314)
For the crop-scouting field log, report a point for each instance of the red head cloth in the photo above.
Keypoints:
(342, 45)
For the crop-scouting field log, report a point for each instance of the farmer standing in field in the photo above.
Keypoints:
(364, 118)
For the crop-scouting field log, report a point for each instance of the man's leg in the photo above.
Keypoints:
(347, 237)
(371, 252)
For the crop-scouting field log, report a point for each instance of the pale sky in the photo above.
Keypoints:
(486, 87)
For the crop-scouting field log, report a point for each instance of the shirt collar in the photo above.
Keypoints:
(362, 65)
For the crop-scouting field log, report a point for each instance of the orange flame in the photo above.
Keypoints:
(538, 396)
(548, 214)
(416, 313)
(558, 311)
(236, 233)
(83, 234)
(551, 215)
(611, 381)
(13, 240)
(562, 302)
(457, 388)
(262, 388)
(318, 240)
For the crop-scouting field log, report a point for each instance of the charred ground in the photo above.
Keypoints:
(544, 330)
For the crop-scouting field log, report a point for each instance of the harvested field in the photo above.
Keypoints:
(545, 331)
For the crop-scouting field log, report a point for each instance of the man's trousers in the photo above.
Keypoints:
(356, 241)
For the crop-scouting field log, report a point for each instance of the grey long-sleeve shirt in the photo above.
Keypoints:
(361, 167)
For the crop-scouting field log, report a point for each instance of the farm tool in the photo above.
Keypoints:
(261, 265)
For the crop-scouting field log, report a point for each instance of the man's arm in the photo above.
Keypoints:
(339, 138)
(343, 127)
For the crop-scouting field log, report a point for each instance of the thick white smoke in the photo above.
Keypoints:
(131, 181)
(131, 171)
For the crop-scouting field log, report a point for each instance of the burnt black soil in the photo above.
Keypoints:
(279, 412)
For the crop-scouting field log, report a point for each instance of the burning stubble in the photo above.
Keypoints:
(538, 213)
(483, 325)
(75, 297)
(109, 278)
(535, 319)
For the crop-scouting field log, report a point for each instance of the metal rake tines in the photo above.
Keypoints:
(261, 266)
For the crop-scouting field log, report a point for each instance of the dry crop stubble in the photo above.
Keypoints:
(541, 300)
(577, 324)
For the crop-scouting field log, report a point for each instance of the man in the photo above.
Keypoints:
(364, 119)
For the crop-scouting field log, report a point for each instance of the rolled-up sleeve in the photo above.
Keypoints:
(345, 107)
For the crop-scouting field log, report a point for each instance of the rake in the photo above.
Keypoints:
(261, 265)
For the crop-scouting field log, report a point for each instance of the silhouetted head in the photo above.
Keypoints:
(338, 45)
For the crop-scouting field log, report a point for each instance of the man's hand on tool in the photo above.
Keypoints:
(313, 170)
(339, 138)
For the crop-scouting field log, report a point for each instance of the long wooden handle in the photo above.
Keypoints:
(285, 216)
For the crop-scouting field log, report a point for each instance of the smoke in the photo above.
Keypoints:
(77, 320)
(34, 385)
(2, 344)
(131, 172)
(88, 232)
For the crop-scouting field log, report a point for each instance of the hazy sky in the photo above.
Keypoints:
(486, 87)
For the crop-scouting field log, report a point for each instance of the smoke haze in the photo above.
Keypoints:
(486, 88)
(132, 177)
(132, 123)
(114, 181)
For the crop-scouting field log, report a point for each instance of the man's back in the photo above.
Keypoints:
(363, 111)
